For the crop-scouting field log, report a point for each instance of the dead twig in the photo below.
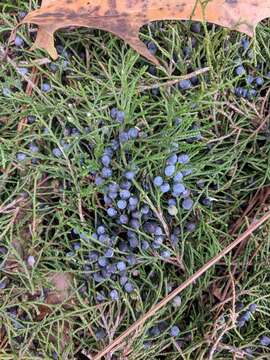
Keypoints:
(216, 344)
(222, 137)
(15, 203)
(3, 55)
(238, 352)
(183, 286)
(29, 89)
(175, 81)
(264, 103)
(260, 197)
(178, 348)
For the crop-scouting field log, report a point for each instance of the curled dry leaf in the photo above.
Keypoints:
(61, 285)
(124, 18)
(59, 293)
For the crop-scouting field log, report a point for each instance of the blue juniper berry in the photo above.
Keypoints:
(169, 170)
(111, 212)
(33, 148)
(259, 81)
(174, 331)
(265, 340)
(121, 204)
(128, 287)
(252, 307)
(133, 133)
(31, 119)
(21, 156)
(187, 204)
(178, 177)
(123, 137)
(120, 117)
(106, 160)
(240, 70)
(108, 253)
(172, 160)
(125, 194)
(123, 280)
(125, 185)
(165, 254)
(114, 294)
(19, 42)
(164, 188)
(184, 84)
(57, 152)
(183, 159)
(123, 219)
(158, 181)
(178, 189)
(100, 334)
(152, 47)
(134, 223)
(145, 245)
(106, 172)
(113, 113)
(129, 175)
(46, 87)
(23, 71)
(121, 266)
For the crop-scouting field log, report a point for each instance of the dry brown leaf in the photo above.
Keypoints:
(61, 284)
(124, 18)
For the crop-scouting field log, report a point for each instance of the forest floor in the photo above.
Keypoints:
(118, 180)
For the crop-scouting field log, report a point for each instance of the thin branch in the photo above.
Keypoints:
(264, 103)
(183, 286)
(215, 346)
(16, 67)
(222, 137)
(175, 81)
(12, 205)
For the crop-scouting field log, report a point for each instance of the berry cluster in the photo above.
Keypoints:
(244, 318)
(129, 226)
(251, 83)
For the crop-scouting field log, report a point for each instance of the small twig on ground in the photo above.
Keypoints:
(249, 208)
(16, 67)
(238, 352)
(262, 126)
(222, 137)
(15, 203)
(175, 81)
(11, 223)
(178, 349)
(183, 286)
(10, 207)
(29, 89)
(260, 197)
(264, 103)
(43, 61)
(228, 299)
(215, 345)
(229, 326)
(159, 215)
(234, 316)
(233, 107)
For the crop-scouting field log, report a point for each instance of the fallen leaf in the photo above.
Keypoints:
(61, 285)
(216, 291)
(124, 18)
